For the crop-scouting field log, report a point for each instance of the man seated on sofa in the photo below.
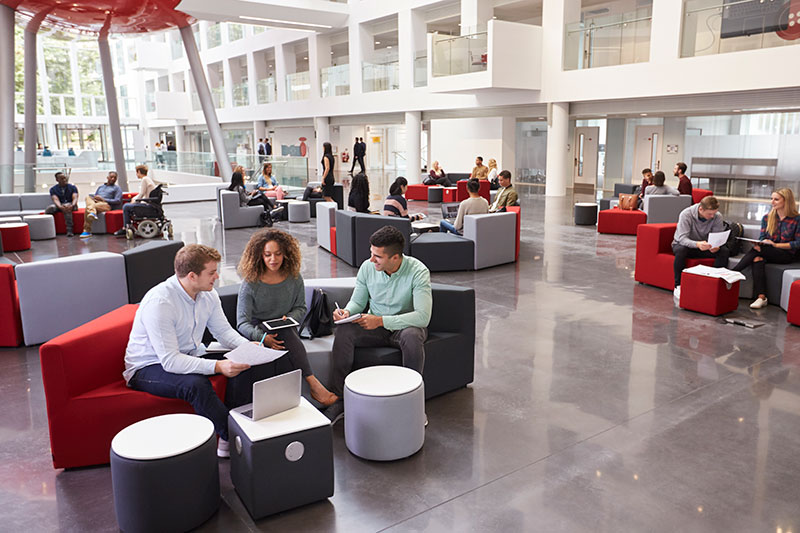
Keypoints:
(474, 205)
(658, 187)
(65, 199)
(107, 197)
(480, 171)
(694, 224)
(397, 289)
(165, 356)
(506, 195)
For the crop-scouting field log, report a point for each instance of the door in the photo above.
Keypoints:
(647, 150)
(584, 174)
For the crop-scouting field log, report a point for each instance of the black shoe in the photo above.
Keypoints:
(335, 412)
(120, 232)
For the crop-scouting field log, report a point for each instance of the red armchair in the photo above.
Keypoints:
(654, 257)
(462, 194)
(516, 209)
(11, 331)
(699, 194)
(417, 191)
(88, 402)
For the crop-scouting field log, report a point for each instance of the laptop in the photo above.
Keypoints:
(274, 395)
(450, 210)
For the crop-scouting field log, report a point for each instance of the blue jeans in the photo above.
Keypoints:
(197, 390)
(445, 226)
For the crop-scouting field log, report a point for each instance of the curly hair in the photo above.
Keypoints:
(251, 265)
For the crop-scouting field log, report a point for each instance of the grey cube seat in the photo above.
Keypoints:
(444, 252)
(234, 216)
(148, 265)
(665, 208)
(299, 211)
(494, 236)
(42, 227)
(10, 204)
(353, 231)
(326, 219)
(34, 202)
(338, 197)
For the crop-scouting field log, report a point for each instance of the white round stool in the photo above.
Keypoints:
(299, 211)
(42, 227)
(165, 473)
(384, 412)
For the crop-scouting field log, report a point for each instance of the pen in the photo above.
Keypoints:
(264, 336)
(337, 306)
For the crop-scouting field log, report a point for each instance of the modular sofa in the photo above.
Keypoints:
(661, 208)
(353, 231)
(233, 216)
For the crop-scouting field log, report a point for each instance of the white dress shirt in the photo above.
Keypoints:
(168, 329)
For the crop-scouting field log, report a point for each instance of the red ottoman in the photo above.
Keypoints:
(449, 194)
(333, 240)
(708, 295)
(417, 191)
(113, 220)
(793, 314)
(699, 194)
(620, 221)
(11, 331)
(16, 236)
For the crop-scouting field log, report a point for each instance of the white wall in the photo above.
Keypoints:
(291, 136)
(456, 142)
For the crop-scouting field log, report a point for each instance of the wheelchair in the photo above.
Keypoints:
(147, 217)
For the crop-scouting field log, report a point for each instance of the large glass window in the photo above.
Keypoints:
(235, 32)
(608, 39)
(57, 65)
(214, 35)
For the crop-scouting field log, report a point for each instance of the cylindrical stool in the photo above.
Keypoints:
(435, 194)
(10, 219)
(16, 236)
(585, 214)
(41, 227)
(165, 473)
(384, 412)
(299, 211)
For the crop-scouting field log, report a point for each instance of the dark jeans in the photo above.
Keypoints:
(53, 209)
(351, 336)
(770, 254)
(197, 390)
(682, 253)
(310, 193)
(263, 201)
(298, 357)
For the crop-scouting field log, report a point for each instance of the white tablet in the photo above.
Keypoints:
(280, 323)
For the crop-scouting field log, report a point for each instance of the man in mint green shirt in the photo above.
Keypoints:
(397, 289)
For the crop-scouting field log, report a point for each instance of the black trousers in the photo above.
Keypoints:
(443, 181)
(769, 254)
(263, 201)
(682, 253)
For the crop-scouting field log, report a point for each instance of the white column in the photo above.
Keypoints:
(508, 153)
(252, 79)
(285, 63)
(227, 81)
(76, 83)
(412, 31)
(322, 134)
(557, 172)
(413, 150)
(474, 15)
(112, 108)
(360, 46)
(7, 100)
(319, 57)
(180, 138)
(30, 105)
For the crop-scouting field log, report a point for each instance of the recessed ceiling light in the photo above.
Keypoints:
(331, 53)
(377, 42)
(389, 47)
(737, 110)
(643, 114)
(305, 58)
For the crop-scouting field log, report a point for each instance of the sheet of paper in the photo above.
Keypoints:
(729, 276)
(253, 354)
(718, 239)
(216, 347)
(351, 318)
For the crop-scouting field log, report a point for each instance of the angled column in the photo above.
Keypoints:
(6, 99)
(557, 171)
(113, 110)
(413, 150)
(30, 105)
(206, 103)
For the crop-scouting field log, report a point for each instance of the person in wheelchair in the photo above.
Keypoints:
(145, 189)
(146, 218)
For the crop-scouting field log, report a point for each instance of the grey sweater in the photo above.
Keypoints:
(259, 301)
(652, 190)
(470, 206)
(692, 229)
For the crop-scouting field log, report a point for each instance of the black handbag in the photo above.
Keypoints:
(319, 320)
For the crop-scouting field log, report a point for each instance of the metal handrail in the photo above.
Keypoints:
(718, 6)
(470, 35)
(609, 25)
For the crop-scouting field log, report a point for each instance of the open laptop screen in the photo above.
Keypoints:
(450, 210)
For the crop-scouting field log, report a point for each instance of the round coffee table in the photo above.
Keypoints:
(384, 412)
(15, 236)
(165, 473)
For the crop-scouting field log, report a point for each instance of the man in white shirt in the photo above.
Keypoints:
(165, 356)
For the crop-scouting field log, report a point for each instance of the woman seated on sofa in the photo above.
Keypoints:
(437, 176)
(358, 199)
(267, 183)
(396, 204)
(494, 183)
(272, 288)
(248, 198)
(658, 187)
(780, 241)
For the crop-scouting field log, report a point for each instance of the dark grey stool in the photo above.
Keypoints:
(435, 194)
(585, 214)
(282, 461)
(165, 473)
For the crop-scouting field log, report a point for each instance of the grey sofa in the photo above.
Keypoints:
(24, 204)
(148, 265)
(774, 271)
(665, 208)
(353, 231)
(233, 216)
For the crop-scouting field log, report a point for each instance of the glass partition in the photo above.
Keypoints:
(421, 68)
(240, 94)
(335, 81)
(611, 40)
(381, 76)
(298, 86)
(266, 91)
(460, 54)
(218, 96)
(721, 26)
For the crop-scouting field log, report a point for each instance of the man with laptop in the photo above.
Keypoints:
(474, 205)
(394, 301)
(165, 356)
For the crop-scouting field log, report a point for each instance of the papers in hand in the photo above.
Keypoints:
(253, 354)
(718, 239)
(351, 318)
(216, 347)
(729, 276)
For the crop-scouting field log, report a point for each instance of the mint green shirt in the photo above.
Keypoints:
(403, 299)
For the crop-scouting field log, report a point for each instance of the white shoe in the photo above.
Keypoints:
(223, 449)
(426, 420)
(677, 292)
(759, 303)
(91, 216)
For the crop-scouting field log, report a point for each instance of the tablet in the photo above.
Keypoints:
(280, 323)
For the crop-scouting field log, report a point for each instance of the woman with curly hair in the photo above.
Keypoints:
(272, 288)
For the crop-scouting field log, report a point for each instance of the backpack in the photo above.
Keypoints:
(737, 230)
(319, 319)
(262, 150)
(265, 220)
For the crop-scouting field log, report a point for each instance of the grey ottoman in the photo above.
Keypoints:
(789, 277)
(384, 412)
(42, 227)
(435, 194)
(299, 211)
(585, 214)
(282, 461)
(165, 473)
(444, 252)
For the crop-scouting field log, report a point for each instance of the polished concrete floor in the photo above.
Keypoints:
(597, 406)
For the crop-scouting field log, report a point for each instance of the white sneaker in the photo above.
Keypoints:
(677, 292)
(223, 449)
(91, 216)
(759, 303)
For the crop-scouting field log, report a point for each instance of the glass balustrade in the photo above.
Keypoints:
(265, 91)
(384, 76)
(717, 27)
(298, 86)
(335, 81)
(605, 41)
(241, 96)
(421, 69)
(461, 54)
(218, 96)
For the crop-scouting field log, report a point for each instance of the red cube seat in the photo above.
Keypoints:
(462, 194)
(654, 257)
(333, 240)
(711, 296)
(417, 191)
(11, 331)
(699, 194)
(620, 221)
(113, 220)
(793, 313)
(449, 194)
